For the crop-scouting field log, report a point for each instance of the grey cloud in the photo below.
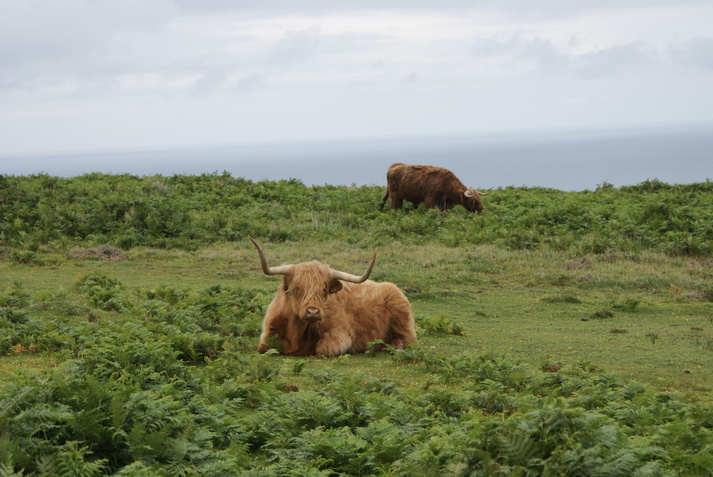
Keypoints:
(696, 52)
(211, 83)
(490, 46)
(536, 53)
(613, 61)
(328, 59)
(207, 84)
(49, 31)
(545, 56)
(250, 82)
(76, 41)
(515, 8)
(543, 52)
(295, 46)
(516, 46)
(347, 49)
(410, 79)
(350, 42)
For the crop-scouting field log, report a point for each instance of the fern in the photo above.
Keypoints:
(71, 462)
(622, 464)
(516, 448)
(174, 393)
(46, 465)
(7, 469)
(649, 469)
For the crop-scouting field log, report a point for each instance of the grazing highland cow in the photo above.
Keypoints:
(436, 187)
(320, 311)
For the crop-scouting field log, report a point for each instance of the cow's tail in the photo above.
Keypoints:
(383, 199)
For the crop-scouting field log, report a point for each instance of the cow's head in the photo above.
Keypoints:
(472, 200)
(307, 285)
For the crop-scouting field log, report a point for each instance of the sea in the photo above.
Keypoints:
(565, 160)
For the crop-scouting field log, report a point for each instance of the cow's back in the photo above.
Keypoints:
(415, 183)
(371, 311)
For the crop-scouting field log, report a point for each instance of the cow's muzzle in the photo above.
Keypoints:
(312, 314)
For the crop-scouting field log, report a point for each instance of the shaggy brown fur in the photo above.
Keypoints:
(314, 313)
(436, 187)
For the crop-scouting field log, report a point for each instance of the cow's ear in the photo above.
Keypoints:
(285, 283)
(335, 286)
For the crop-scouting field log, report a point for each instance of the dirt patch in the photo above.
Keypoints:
(102, 252)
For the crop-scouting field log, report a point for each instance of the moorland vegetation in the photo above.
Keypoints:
(560, 333)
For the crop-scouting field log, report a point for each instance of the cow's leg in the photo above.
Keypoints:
(274, 329)
(432, 202)
(334, 343)
(271, 339)
(396, 202)
(285, 334)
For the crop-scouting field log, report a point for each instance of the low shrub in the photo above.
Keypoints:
(441, 323)
(187, 212)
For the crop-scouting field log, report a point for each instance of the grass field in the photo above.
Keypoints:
(555, 338)
(644, 316)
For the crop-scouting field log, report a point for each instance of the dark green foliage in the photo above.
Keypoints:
(128, 398)
(128, 406)
(188, 211)
(15, 297)
(195, 325)
(104, 292)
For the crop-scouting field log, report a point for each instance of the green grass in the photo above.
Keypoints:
(532, 306)
(21, 360)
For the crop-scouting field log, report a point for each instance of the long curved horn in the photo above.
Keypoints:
(348, 277)
(281, 270)
(469, 193)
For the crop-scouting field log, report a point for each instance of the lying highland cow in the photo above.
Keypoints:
(436, 187)
(320, 311)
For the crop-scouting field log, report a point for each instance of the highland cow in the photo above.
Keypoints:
(321, 311)
(435, 187)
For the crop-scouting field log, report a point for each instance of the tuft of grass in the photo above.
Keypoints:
(653, 337)
(704, 343)
(441, 323)
(708, 294)
(628, 305)
(27, 257)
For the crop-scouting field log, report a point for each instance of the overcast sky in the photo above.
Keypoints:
(104, 74)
